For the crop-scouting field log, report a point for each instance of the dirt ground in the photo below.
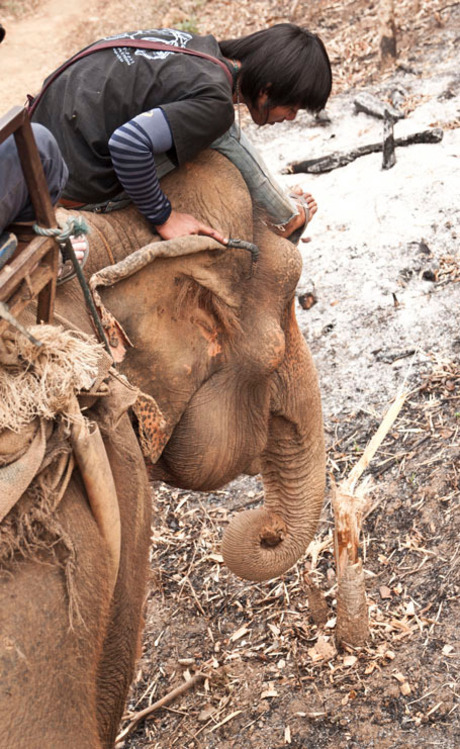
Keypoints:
(382, 268)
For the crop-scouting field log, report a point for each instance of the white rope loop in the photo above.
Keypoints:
(73, 227)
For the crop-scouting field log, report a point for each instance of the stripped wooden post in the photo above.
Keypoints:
(349, 503)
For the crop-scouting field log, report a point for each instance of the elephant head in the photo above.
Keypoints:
(216, 348)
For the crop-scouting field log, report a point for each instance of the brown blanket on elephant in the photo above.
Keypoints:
(38, 391)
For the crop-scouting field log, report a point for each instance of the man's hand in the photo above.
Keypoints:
(183, 224)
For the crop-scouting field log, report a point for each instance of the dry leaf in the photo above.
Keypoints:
(206, 713)
(323, 650)
(349, 660)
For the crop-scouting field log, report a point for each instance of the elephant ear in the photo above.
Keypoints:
(133, 263)
(172, 313)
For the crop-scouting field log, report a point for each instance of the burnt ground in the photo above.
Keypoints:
(276, 677)
(379, 325)
(382, 264)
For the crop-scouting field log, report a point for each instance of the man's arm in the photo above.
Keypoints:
(132, 148)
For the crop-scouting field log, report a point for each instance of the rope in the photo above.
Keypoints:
(73, 227)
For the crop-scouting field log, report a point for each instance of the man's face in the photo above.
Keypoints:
(264, 114)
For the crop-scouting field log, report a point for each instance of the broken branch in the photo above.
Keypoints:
(177, 692)
(336, 160)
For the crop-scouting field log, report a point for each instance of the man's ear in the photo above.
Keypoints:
(265, 95)
(263, 99)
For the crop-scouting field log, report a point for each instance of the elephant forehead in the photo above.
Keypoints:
(279, 266)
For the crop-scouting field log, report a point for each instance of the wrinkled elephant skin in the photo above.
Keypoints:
(216, 344)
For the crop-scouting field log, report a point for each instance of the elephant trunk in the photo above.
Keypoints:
(264, 543)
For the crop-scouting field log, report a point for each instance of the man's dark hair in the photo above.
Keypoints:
(287, 62)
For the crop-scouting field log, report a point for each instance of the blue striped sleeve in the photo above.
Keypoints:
(132, 147)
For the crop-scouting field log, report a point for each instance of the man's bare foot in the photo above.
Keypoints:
(66, 269)
(305, 198)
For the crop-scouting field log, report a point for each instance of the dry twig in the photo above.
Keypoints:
(172, 695)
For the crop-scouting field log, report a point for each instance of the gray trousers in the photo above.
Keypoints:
(15, 203)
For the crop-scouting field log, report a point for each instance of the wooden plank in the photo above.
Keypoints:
(34, 175)
(16, 122)
(26, 293)
(23, 264)
(10, 122)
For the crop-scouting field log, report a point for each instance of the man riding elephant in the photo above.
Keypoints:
(125, 114)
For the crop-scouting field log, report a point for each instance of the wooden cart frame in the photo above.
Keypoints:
(32, 271)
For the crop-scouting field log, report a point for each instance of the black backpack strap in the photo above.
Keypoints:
(137, 44)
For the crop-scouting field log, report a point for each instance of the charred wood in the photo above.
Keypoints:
(389, 156)
(336, 160)
(369, 104)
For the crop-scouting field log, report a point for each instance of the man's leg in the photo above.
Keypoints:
(261, 184)
(15, 204)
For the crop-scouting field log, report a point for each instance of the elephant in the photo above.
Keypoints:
(209, 335)
(71, 600)
(224, 383)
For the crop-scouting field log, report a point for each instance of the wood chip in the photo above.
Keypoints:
(216, 558)
(270, 692)
(384, 592)
(239, 633)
